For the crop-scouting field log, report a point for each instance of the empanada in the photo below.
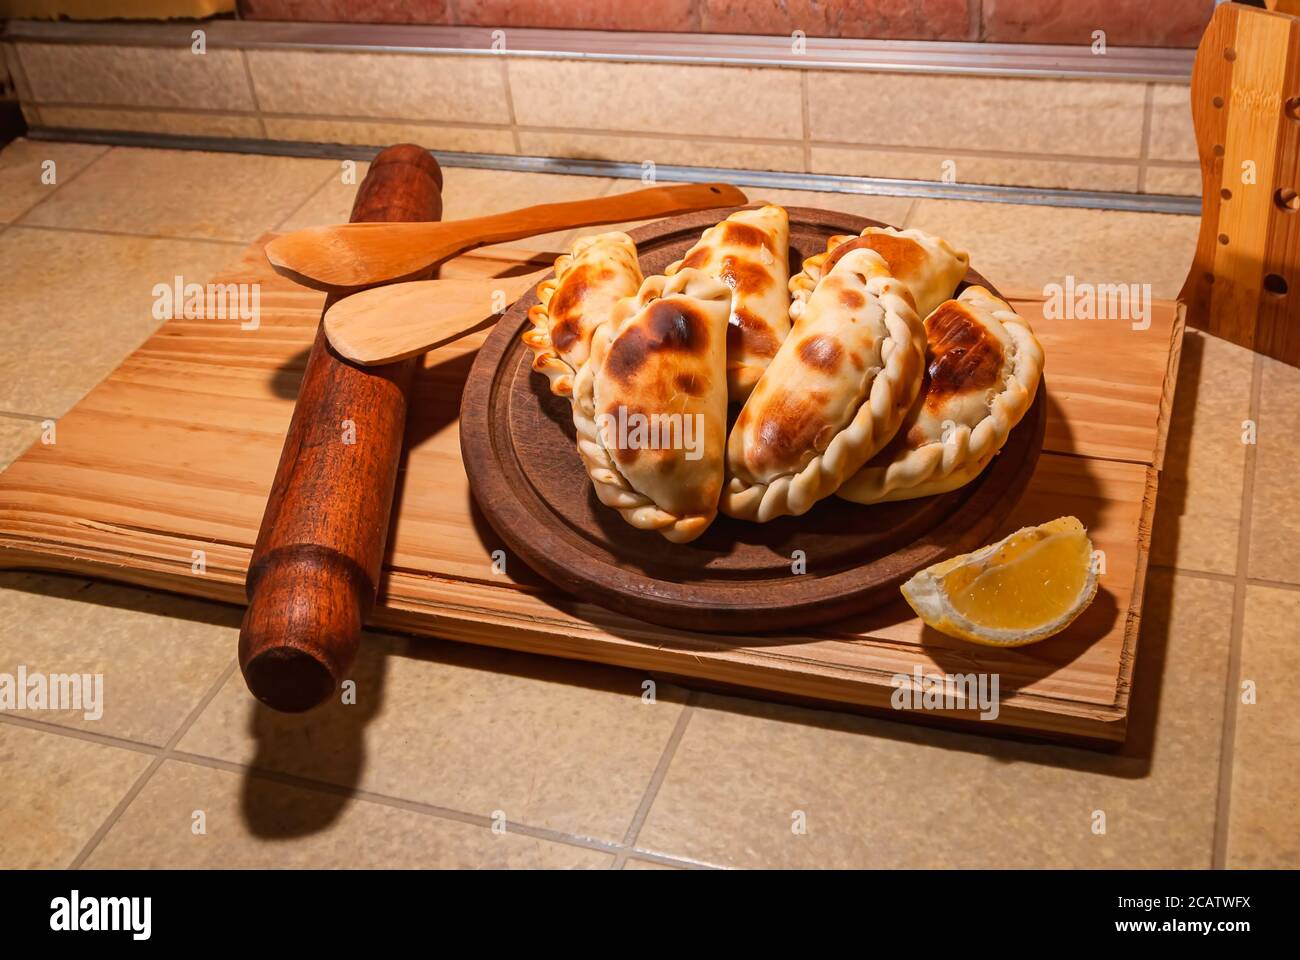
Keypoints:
(650, 404)
(834, 394)
(601, 270)
(749, 252)
(927, 265)
(983, 368)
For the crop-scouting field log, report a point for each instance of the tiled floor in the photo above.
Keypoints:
(462, 756)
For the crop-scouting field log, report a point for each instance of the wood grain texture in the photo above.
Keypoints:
(1244, 284)
(518, 449)
(174, 452)
(315, 567)
(395, 322)
(348, 256)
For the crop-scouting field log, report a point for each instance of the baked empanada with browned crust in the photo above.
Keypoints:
(601, 270)
(749, 252)
(983, 365)
(834, 394)
(929, 266)
(650, 404)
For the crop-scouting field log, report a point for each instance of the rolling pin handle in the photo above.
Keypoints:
(302, 629)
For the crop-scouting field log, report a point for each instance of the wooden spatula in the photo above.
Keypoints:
(351, 255)
(405, 319)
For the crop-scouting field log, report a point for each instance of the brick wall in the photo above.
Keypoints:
(1137, 23)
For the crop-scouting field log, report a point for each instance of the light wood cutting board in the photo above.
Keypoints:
(175, 451)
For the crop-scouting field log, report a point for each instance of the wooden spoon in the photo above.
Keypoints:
(402, 320)
(351, 255)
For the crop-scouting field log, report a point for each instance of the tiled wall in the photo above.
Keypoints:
(1139, 23)
(1077, 134)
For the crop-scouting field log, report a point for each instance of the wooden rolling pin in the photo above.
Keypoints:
(315, 568)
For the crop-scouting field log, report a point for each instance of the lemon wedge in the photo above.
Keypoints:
(1022, 589)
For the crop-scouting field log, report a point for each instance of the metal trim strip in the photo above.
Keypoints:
(775, 180)
(819, 53)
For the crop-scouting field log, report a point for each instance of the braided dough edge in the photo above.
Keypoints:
(546, 359)
(538, 339)
(940, 466)
(612, 488)
(890, 394)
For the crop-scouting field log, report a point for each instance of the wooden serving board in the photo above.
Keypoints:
(838, 559)
(169, 460)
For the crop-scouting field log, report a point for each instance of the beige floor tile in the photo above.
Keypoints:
(648, 865)
(1264, 812)
(976, 113)
(660, 150)
(376, 133)
(16, 435)
(565, 241)
(1275, 523)
(1064, 174)
(892, 210)
(875, 793)
(332, 200)
(250, 822)
(1199, 506)
(468, 192)
(887, 209)
(76, 304)
(1030, 246)
(410, 87)
(184, 193)
(157, 654)
(64, 791)
(22, 164)
(183, 123)
(548, 743)
(471, 192)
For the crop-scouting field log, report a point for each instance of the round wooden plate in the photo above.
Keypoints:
(517, 442)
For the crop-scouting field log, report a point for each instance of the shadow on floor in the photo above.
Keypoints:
(328, 746)
(324, 745)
